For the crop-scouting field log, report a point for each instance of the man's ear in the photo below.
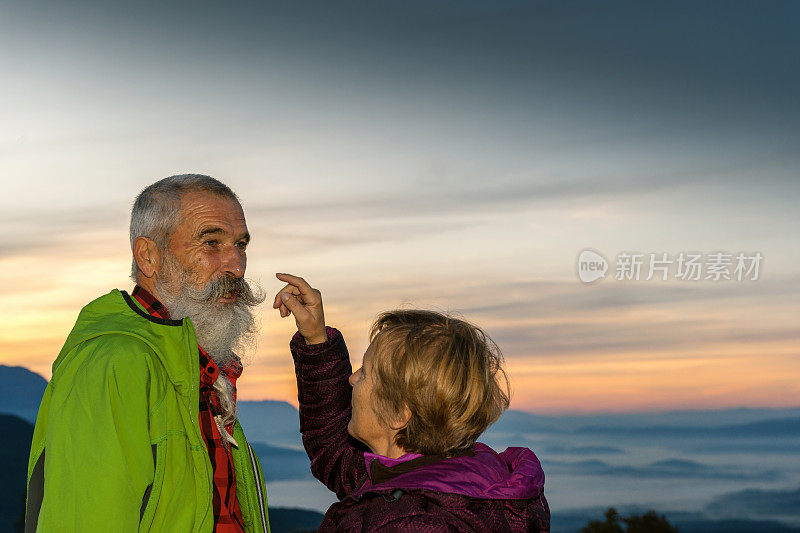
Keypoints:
(147, 256)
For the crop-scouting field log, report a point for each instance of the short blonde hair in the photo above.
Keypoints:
(448, 373)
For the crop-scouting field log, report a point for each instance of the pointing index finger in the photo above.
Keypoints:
(300, 283)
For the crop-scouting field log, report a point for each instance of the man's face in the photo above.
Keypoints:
(210, 240)
(201, 274)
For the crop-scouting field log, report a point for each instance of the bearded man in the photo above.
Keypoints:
(137, 429)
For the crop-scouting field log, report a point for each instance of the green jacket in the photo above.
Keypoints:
(117, 444)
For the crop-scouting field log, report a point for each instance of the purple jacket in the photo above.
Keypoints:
(479, 491)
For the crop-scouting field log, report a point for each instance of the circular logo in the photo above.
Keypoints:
(591, 266)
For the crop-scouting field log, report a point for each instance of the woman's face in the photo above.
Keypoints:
(364, 424)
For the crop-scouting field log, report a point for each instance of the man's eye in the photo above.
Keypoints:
(241, 244)
(212, 242)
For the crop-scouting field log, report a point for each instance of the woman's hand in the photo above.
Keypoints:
(305, 302)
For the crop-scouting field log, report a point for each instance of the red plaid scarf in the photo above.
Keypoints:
(227, 513)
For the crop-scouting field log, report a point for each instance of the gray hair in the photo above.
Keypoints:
(155, 210)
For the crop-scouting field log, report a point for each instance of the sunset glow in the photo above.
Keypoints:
(390, 169)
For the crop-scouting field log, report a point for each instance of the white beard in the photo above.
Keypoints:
(221, 328)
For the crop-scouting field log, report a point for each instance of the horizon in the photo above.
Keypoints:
(548, 413)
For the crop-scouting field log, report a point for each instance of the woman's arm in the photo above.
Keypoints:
(324, 393)
(322, 368)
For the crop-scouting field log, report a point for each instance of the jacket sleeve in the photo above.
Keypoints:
(99, 461)
(324, 394)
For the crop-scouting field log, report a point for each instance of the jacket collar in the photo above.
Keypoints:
(513, 474)
(173, 341)
(382, 469)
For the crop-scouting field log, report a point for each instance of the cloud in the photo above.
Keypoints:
(487, 195)
(88, 231)
(565, 296)
(351, 220)
(550, 318)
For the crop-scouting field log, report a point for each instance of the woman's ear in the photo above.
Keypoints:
(402, 419)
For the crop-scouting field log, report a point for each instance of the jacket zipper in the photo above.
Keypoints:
(259, 489)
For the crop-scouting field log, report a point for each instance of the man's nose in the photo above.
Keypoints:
(352, 378)
(234, 263)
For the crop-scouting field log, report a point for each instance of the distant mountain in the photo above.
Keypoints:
(514, 421)
(757, 503)
(523, 422)
(780, 427)
(554, 449)
(750, 446)
(22, 391)
(17, 435)
(272, 422)
(282, 463)
(664, 469)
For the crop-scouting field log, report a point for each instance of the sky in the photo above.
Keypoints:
(456, 156)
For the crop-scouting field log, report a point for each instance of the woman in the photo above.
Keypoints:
(429, 386)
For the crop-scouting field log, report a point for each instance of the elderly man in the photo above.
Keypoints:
(137, 428)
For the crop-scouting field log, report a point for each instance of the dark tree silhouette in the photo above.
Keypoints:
(650, 522)
(610, 525)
